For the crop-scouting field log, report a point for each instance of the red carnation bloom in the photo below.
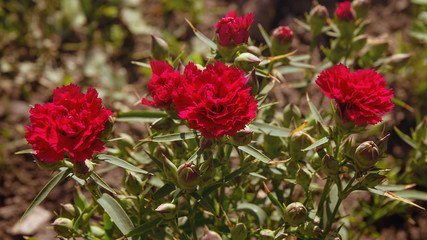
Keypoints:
(72, 124)
(161, 86)
(233, 29)
(345, 12)
(283, 34)
(216, 101)
(360, 96)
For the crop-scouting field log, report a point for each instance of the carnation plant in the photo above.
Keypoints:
(219, 160)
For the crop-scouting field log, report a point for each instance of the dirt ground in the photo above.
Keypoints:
(21, 179)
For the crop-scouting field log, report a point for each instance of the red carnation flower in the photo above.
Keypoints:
(345, 12)
(216, 101)
(360, 95)
(233, 29)
(161, 86)
(283, 34)
(72, 124)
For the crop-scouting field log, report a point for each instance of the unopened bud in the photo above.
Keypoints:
(207, 172)
(239, 232)
(281, 40)
(361, 7)
(83, 169)
(246, 61)
(291, 111)
(317, 19)
(254, 50)
(299, 141)
(311, 230)
(333, 236)
(68, 211)
(167, 210)
(366, 155)
(133, 183)
(303, 178)
(272, 146)
(295, 213)
(345, 12)
(170, 170)
(252, 83)
(159, 48)
(330, 166)
(210, 235)
(188, 177)
(163, 125)
(373, 179)
(243, 137)
(161, 151)
(266, 234)
(63, 227)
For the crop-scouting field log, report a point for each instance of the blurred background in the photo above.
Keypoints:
(45, 44)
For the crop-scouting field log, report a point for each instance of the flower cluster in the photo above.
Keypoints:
(215, 101)
(233, 29)
(72, 124)
(360, 95)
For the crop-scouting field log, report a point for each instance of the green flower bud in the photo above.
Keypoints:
(207, 172)
(311, 230)
(373, 179)
(243, 137)
(317, 19)
(47, 165)
(291, 111)
(330, 166)
(266, 234)
(170, 170)
(366, 155)
(97, 231)
(133, 183)
(252, 83)
(254, 50)
(246, 61)
(179, 148)
(163, 125)
(303, 178)
(281, 40)
(272, 146)
(239, 232)
(333, 236)
(63, 227)
(292, 167)
(167, 210)
(188, 177)
(159, 48)
(83, 169)
(67, 211)
(161, 151)
(210, 235)
(295, 213)
(299, 141)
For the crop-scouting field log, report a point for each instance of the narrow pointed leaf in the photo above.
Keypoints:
(116, 212)
(202, 37)
(254, 210)
(26, 151)
(255, 153)
(204, 203)
(265, 35)
(101, 182)
(145, 227)
(175, 137)
(405, 138)
(64, 172)
(317, 143)
(163, 191)
(270, 130)
(314, 111)
(120, 163)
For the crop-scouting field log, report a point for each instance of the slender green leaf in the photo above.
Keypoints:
(120, 163)
(236, 172)
(26, 151)
(289, 69)
(253, 209)
(402, 104)
(142, 114)
(270, 130)
(421, 2)
(202, 37)
(141, 64)
(405, 138)
(413, 194)
(303, 24)
(314, 111)
(204, 203)
(64, 172)
(163, 191)
(155, 160)
(195, 156)
(258, 176)
(101, 182)
(116, 212)
(301, 65)
(317, 143)
(265, 35)
(299, 58)
(145, 227)
(255, 153)
(394, 187)
(175, 137)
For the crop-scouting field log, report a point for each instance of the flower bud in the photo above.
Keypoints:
(317, 19)
(254, 50)
(243, 137)
(361, 7)
(333, 236)
(373, 179)
(179, 148)
(272, 146)
(68, 211)
(295, 213)
(159, 48)
(303, 178)
(239, 232)
(210, 235)
(292, 168)
(299, 141)
(291, 111)
(345, 13)
(366, 155)
(246, 61)
(312, 230)
(163, 125)
(63, 227)
(133, 183)
(97, 231)
(266, 234)
(281, 40)
(188, 177)
(252, 83)
(161, 151)
(167, 210)
(330, 166)
(83, 169)
(207, 172)
(170, 170)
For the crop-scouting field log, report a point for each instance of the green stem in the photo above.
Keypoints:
(192, 215)
(325, 191)
(332, 218)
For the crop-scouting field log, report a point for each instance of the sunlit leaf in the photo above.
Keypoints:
(254, 210)
(314, 111)
(147, 226)
(101, 182)
(255, 153)
(405, 138)
(317, 143)
(202, 37)
(268, 129)
(116, 212)
(163, 191)
(120, 163)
